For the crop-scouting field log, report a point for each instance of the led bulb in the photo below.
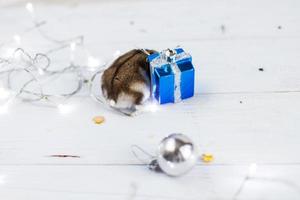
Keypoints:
(4, 108)
(4, 94)
(65, 109)
(93, 62)
(151, 107)
(117, 53)
(2, 179)
(17, 39)
(73, 46)
(8, 53)
(29, 7)
(252, 169)
(41, 71)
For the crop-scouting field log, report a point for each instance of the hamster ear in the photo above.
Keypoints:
(151, 51)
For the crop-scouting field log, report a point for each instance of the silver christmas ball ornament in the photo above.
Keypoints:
(176, 155)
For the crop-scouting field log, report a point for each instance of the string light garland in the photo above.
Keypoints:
(16, 61)
(38, 68)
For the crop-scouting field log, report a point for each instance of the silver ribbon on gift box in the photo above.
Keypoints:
(170, 57)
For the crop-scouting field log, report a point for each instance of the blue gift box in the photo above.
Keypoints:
(172, 75)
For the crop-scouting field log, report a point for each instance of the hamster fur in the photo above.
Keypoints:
(126, 83)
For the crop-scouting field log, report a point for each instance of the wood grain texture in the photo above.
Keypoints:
(235, 132)
(136, 182)
(239, 114)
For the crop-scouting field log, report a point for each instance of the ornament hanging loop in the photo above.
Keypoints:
(151, 161)
(136, 148)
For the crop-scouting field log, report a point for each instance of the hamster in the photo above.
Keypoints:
(126, 83)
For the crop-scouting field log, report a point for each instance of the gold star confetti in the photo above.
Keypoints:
(207, 158)
(98, 119)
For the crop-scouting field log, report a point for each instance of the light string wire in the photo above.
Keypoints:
(35, 72)
(135, 148)
(101, 99)
(251, 177)
(30, 68)
(152, 164)
(151, 160)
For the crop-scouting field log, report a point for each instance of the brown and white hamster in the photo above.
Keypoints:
(126, 83)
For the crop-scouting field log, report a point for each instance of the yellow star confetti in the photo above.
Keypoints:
(98, 119)
(207, 158)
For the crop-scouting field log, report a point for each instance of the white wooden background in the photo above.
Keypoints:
(239, 114)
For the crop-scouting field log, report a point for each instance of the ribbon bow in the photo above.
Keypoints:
(166, 58)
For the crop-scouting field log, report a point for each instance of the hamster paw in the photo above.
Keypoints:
(138, 109)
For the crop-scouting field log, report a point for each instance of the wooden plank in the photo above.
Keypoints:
(223, 66)
(226, 62)
(239, 114)
(239, 128)
(138, 22)
(136, 182)
(199, 20)
(232, 66)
